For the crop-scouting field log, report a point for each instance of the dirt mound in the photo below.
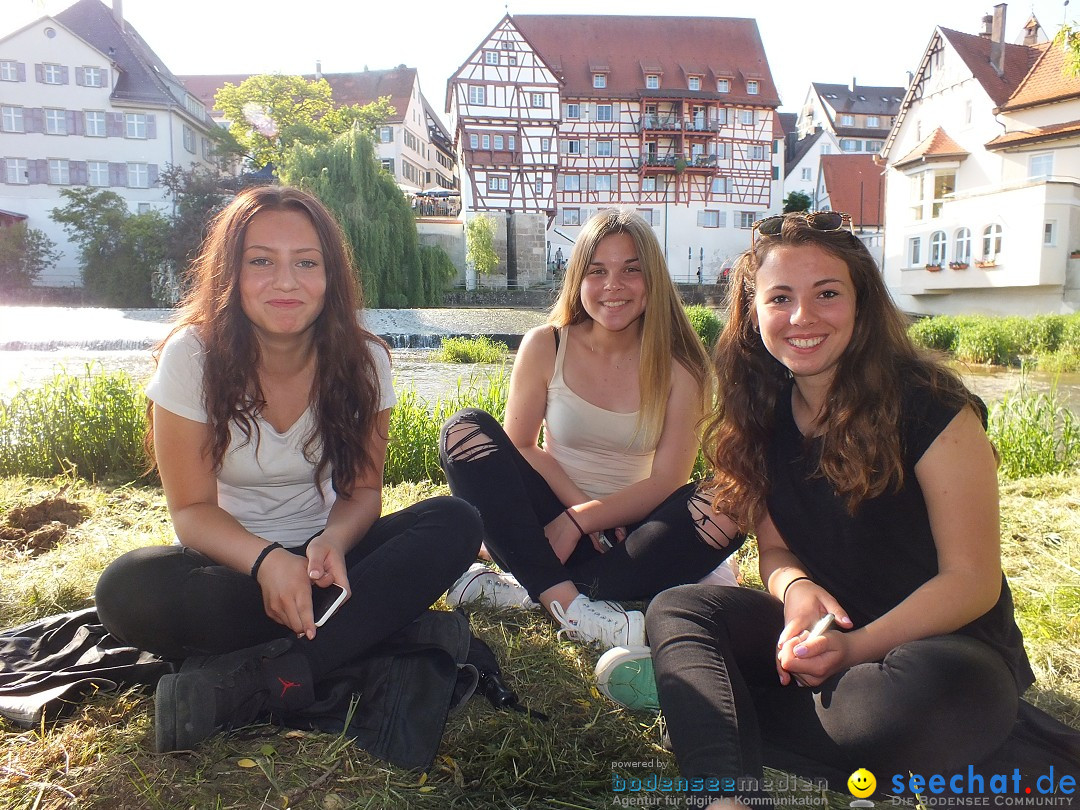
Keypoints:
(39, 527)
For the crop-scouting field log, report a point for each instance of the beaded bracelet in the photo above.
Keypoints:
(262, 556)
(577, 525)
(788, 587)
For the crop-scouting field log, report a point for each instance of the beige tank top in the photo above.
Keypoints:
(602, 451)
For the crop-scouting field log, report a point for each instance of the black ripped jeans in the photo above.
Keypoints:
(176, 602)
(516, 503)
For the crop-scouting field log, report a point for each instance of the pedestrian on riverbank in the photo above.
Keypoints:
(269, 416)
(602, 512)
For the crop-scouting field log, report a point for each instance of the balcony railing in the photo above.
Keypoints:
(675, 123)
(671, 161)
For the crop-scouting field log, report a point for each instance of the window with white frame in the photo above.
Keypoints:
(386, 134)
(806, 173)
(648, 184)
(1041, 165)
(387, 166)
(573, 147)
(873, 146)
(603, 112)
(477, 94)
(826, 149)
(55, 122)
(16, 171)
(59, 173)
(757, 152)
(134, 125)
(145, 208)
(485, 141)
(647, 215)
(491, 57)
(602, 182)
(511, 143)
(539, 100)
(719, 185)
(573, 110)
(914, 251)
(722, 151)
(511, 58)
(944, 186)
(138, 175)
(571, 216)
(52, 74)
(599, 80)
(571, 182)
(746, 117)
(694, 83)
(500, 142)
(710, 219)
(723, 85)
(991, 241)
(11, 119)
(474, 140)
(94, 123)
(97, 173)
(9, 70)
(752, 87)
(962, 246)
(93, 77)
(652, 82)
(603, 148)
(189, 139)
(545, 145)
(499, 184)
(1050, 233)
(847, 120)
(194, 106)
(937, 247)
(747, 219)
(850, 145)
(538, 188)
(508, 45)
(873, 121)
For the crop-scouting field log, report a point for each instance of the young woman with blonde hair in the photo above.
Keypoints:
(618, 382)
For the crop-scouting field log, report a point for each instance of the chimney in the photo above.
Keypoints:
(118, 11)
(988, 23)
(852, 84)
(318, 69)
(997, 35)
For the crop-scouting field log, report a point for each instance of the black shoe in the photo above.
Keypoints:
(215, 692)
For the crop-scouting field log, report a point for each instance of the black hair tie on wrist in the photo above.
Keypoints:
(262, 556)
(788, 587)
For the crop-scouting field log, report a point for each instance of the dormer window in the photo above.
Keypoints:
(599, 80)
(723, 85)
(694, 82)
(752, 87)
(652, 82)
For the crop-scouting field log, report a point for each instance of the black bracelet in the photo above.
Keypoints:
(788, 587)
(262, 556)
(577, 525)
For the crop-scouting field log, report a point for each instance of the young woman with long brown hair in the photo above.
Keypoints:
(269, 419)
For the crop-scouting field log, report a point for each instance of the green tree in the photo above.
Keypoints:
(121, 253)
(480, 244)
(1069, 39)
(797, 201)
(270, 114)
(24, 254)
(374, 215)
(198, 195)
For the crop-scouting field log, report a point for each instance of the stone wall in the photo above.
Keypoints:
(450, 236)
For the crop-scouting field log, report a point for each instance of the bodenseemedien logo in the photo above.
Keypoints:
(862, 784)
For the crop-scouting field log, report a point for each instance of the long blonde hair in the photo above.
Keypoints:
(666, 331)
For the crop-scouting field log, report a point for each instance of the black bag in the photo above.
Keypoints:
(404, 690)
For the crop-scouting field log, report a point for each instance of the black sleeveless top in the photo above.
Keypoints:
(872, 560)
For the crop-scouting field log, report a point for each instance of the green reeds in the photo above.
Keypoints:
(481, 349)
(1034, 434)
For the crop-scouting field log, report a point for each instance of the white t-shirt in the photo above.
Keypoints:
(266, 483)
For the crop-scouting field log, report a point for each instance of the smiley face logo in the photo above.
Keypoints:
(861, 783)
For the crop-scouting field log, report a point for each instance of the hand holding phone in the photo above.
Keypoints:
(326, 601)
(821, 627)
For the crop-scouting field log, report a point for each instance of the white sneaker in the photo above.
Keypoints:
(495, 588)
(599, 622)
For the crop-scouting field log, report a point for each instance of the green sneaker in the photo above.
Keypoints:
(625, 674)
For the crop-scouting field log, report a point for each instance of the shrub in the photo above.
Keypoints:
(937, 333)
(984, 340)
(91, 425)
(481, 349)
(705, 323)
(1034, 434)
(1033, 336)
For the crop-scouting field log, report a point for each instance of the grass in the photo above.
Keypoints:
(100, 758)
(1034, 434)
(1048, 342)
(481, 349)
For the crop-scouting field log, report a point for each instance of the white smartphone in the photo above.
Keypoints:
(326, 601)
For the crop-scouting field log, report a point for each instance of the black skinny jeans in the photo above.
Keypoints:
(176, 602)
(930, 706)
(515, 502)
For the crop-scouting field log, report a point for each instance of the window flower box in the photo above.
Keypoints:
(985, 263)
(1074, 254)
(934, 268)
(958, 265)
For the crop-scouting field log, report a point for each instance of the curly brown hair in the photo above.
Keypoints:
(860, 452)
(345, 395)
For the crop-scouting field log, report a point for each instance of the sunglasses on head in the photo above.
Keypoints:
(824, 221)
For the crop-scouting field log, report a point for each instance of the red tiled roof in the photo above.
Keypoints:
(1068, 129)
(975, 51)
(725, 47)
(347, 88)
(935, 146)
(1046, 82)
(855, 186)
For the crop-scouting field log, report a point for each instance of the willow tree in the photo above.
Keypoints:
(377, 221)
